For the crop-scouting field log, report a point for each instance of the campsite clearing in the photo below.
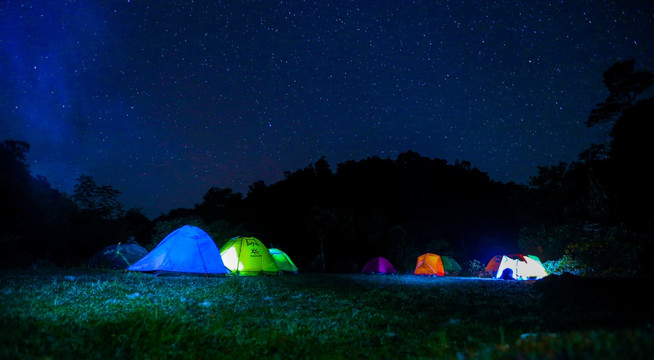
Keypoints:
(118, 314)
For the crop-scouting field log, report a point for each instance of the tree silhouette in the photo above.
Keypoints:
(100, 200)
(218, 203)
(625, 85)
(323, 221)
(35, 221)
(626, 172)
(606, 197)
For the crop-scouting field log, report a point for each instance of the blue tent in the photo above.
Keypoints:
(188, 249)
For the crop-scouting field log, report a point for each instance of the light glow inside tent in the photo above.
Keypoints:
(429, 264)
(247, 256)
(230, 259)
(284, 263)
(379, 265)
(526, 267)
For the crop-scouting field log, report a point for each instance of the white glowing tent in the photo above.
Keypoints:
(521, 267)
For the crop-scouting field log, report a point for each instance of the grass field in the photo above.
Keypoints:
(89, 314)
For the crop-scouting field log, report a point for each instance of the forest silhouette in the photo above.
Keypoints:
(597, 210)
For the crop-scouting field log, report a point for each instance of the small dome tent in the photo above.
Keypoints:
(429, 264)
(247, 256)
(521, 267)
(118, 257)
(451, 266)
(188, 249)
(378, 265)
(282, 260)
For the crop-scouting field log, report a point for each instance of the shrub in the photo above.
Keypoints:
(475, 268)
(565, 264)
(607, 250)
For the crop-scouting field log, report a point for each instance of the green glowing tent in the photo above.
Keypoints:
(451, 266)
(247, 256)
(284, 263)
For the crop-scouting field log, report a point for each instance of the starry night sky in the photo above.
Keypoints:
(164, 99)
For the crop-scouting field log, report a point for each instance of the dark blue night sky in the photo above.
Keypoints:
(164, 99)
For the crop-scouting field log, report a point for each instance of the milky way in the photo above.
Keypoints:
(163, 100)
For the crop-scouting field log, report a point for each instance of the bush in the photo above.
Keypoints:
(566, 264)
(475, 268)
(607, 250)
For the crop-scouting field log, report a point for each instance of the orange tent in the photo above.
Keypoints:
(494, 264)
(429, 264)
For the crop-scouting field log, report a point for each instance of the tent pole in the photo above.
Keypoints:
(206, 272)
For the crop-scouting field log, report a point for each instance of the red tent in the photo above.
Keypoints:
(379, 265)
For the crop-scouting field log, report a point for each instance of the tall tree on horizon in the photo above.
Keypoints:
(101, 200)
(625, 86)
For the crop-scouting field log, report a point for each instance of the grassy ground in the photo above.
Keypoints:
(90, 314)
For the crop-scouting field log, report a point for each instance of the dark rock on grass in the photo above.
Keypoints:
(609, 300)
(118, 257)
